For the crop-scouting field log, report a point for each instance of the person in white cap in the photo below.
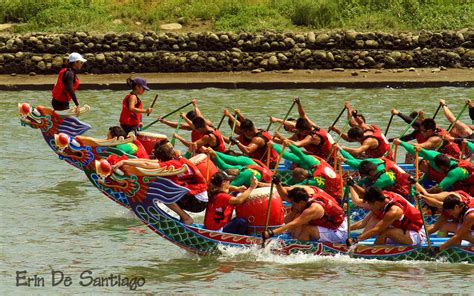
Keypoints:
(65, 89)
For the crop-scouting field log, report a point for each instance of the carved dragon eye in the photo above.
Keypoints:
(61, 140)
(24, 108)
(103, 168)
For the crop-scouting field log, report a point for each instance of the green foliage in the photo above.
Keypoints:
(238, 15)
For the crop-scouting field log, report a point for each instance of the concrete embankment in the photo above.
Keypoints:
(426, 77)
(40, 53)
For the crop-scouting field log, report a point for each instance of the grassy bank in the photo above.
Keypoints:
(237, 15)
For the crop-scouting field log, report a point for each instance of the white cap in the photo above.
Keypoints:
(74, 57)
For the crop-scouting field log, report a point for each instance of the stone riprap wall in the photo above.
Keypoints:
(190, 52)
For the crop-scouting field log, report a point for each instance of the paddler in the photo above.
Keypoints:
(458, 218)
(253, 142)
(212, 137)
(65, 89)
(459, 129)
(221, 205)
(392, 219)
(135, 148)
(381, 173)
(315, 215)
(312, 170)
(444, 170)
(242, 168)
(165, 156)
(132, 106)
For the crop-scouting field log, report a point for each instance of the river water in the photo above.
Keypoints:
(53, 219)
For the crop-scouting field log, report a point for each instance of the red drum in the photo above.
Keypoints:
(200, 161)
(255, 209)
(149, 140)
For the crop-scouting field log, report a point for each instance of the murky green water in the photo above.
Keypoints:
(53, 219)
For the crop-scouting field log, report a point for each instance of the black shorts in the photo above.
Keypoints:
(191, 204)
(57, 105)
(130, 128)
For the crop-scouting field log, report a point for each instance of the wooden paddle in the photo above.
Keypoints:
(271, 192)
(220, 122)
(233, 130)
(406, 129)
(153, 103)
(417, 197)
(388, 125)
(337, 141)
(338, 117)
(169, 114)
(284, 119)
(437, 110)
(173, 139)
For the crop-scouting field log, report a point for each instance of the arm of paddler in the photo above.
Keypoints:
(235, 160)
(357, 200)
(409, 137)
(350, 160)
(286, 154)
(241, 198)
(437, 225)
(463, 231)
(243, 178)
(393, 214)
(453, 176)
(362, 223)
(303, 157)
(366, 145)
(315, 211)
(221, 164)
(141, 163)
(183, 126)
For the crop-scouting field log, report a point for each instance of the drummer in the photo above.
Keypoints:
(221, 205)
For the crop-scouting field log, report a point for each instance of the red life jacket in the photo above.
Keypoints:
(127, 117)
(419, 138)
(411, 219)
(324, 147)
(333, 213)
(402, 185)
(141, 152)
(332, 180)
(383, 148)
(435, 175)
(218, 212)
(195, 135)
(468, 201)
(467, 184)
(220, 144)
(261, 152)
(59, 92)
(263, 169)
(449, 148)
(191, 178)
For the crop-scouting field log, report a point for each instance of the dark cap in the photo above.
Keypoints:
(141, 81)
(220, 177)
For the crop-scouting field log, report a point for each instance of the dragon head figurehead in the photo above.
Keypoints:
(50, 121)
(72, 151)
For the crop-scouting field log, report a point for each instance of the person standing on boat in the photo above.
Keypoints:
(253, 142)
(458, 218)
(313, 171)
(314, 215)
(243, 168)
(65, 89)
(165, 156)
(132, 106)
(392, 219)
(212, 137)
(221, 205)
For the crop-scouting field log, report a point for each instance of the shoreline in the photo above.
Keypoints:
(349, 78)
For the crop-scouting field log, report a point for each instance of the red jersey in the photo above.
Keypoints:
(331, 182)
(402, 185)
(263, 169)
(469, 202)
(191, 178)
(333, 213)
(411, 218)
(261, 152)
(467, 184)
(127, 117)
(219, 211)
(383, 147)
(59, 92)
(324, 147)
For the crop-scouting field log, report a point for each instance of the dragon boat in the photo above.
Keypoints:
(146, 191)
